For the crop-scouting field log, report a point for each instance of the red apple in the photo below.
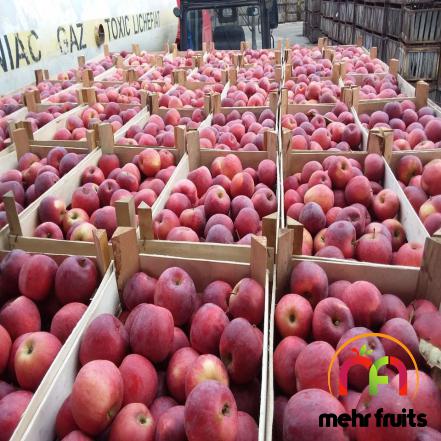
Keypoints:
(242, 365)
(104, 339)
(293, 316)
(140, 380)
(219, 414)
(34, 357)
(97, 396)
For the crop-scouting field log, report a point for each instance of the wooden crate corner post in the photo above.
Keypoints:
(381, 141)
(297, 237)
(126, 212)
(125, 254)
(283, 256)
(145, 220)
(429, 284)
(180, 133)
(107, 143)
(193, 150)
(273, 101)
(216, 102)
(421, 94)
(12, 214)
(259, 259)
(22, 142)
(270, 140)
(394, 66)
(103, 258)
(87, 78)
(269, 228)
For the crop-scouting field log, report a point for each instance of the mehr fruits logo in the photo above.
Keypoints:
(360, 358)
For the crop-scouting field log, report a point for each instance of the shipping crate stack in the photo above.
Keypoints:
(407, 30)
(413, 35)
(312, 20)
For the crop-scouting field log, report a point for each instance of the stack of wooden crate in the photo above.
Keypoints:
(413, 35)
(312, 20)
(404, 29)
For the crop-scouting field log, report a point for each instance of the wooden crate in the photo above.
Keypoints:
(102, 260)
(419, 62)
(322, 108)
(368, 106)
(313, 19)
(273, 99)
(421, 25)
(391, 49)
(407, 283)
(15, 120)
(394, 22)
(360, 18)
(424, 156)
(195, 158)
(21, 228)
(374, 18)
(128, 261)
(312, 5)
(378, 142)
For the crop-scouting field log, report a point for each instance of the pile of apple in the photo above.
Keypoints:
(247, 94)
(160, 73)
(179, 97)
(347, 213)
(413, 130)
(37, 120)
(118, 73)
(196, 382)
(308, 63)
(257, 73)
(223, 204)
(67, 96)
(143, 59)
(219, 59)
(358, 62)
(261, 57)
(207, 74)
(124, 94)
(156, 87)
(5, 138)
(316, 318)
(97, 67)
(159, 131)
(376, 87)
(237, 132)
(312, 92)
(333, 131)
(9, 104)
(92, 205)
(34, 176)
(185, 61)
(48, 88)
(76, 125)
(41, 304)
(421, 184)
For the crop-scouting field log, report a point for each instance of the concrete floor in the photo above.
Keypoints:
(293, 31)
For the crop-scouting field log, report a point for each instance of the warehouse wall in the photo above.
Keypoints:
(51, 34)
